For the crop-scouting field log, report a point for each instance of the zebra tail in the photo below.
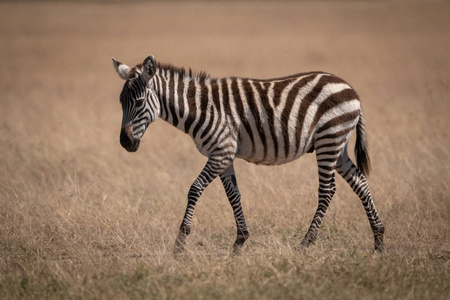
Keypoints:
(361, 147)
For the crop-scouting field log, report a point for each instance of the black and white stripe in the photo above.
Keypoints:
(266, 122)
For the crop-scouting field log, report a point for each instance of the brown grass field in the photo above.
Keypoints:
(81, 218)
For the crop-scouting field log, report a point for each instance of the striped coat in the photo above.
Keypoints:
(267, 122)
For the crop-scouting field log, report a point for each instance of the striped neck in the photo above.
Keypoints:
(177, 91)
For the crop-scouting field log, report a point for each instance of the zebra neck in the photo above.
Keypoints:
(178, 94)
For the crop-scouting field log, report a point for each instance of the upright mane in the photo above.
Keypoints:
(201, 76)
(182, 71)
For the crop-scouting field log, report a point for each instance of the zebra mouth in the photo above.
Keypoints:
(130, 144)
(132, 147)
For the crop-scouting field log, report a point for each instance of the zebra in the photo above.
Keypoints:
(266, 122)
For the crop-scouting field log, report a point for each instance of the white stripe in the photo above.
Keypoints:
(336, 128)
(209, 106)
(327, 141)
(169, 115)
(234, 113)
(293, 116)
(251, 121)
(197, 105)
(327, 90)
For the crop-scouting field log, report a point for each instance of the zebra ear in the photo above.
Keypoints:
(121, 69)
(149, 67)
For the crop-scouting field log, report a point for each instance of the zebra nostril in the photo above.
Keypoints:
(125, 140)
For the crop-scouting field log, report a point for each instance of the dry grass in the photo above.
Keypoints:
(82, 218)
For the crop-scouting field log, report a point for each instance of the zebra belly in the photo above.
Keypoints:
(268, 153)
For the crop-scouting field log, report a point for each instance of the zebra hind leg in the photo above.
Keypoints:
(327, 188)
(229, 182)
(358, 182)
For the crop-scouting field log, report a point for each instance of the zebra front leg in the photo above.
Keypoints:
(327, 188)
(212, 169)
(229, 182)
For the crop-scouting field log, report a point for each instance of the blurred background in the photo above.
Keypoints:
(75, 206)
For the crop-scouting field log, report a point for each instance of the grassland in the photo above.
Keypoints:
(80, 218)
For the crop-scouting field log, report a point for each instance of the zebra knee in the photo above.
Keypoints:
(344, 167)
(195, 191)
(327, 189)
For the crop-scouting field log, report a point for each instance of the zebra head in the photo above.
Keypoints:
(140, 105)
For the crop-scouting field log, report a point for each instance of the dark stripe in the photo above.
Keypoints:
(329, 180)
(161, 97)
(327, 168)
(216, 101)
(203, 109)
(250, 97)
(210, 123)
(192, 106)
(290, 100)
(326, 175)
(329, 103)
(331, 144)
(172, 99)
(331, 160)
(241, 112)
(306, 102)
(339, 120)
(165, 98)
(335, 135)
(227, 105)
(270, 114)
(180, 92)
(351, 169)
(226, 98)
(217, 142)
(215, 95)
(325, 191)
(140, 118)
(329, 153)
(278, 89)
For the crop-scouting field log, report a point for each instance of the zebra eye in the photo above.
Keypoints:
(139, 102)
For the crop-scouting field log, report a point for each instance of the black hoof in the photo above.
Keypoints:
(237, 250)
(303, 246)
(379, 248)
(180, 243)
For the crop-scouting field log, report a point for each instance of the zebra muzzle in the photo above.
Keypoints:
(127, 140)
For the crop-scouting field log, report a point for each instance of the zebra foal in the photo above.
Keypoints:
(267, 122)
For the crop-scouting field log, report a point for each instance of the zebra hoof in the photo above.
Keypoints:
(303, 246)
(179, 248)
(379, 248)
(180, 243)
(379, 244)
(237, 250)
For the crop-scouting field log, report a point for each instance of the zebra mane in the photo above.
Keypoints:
(183, 73)
(201, 76)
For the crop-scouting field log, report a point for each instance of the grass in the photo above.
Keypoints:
(82, 218)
